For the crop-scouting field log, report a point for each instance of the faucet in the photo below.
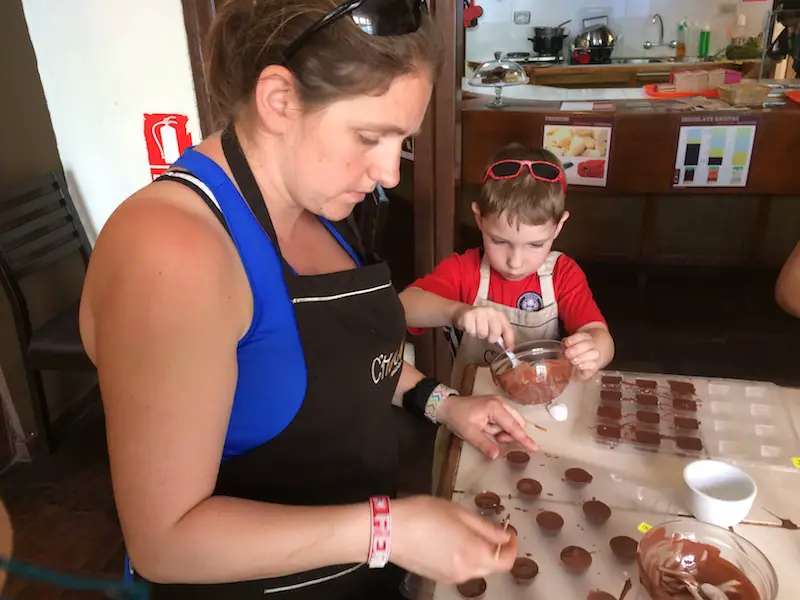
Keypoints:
(647, 45)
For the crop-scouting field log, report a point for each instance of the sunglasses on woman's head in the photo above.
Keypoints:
(540, 170)
(373, 17)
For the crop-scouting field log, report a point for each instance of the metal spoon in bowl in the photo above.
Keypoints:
(557, 410)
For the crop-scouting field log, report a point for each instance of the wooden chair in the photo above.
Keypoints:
(39, 226)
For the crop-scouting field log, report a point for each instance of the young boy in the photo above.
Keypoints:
(515, 287)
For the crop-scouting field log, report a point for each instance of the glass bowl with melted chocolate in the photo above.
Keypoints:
(675, 551)
(541, 376)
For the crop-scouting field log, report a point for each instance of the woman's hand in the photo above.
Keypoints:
(477, 419)
(484, 323)
(445, 542)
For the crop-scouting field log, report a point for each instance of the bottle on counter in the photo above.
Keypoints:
(705, 40)
(680, 49)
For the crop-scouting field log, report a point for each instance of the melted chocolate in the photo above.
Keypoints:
(648, 416)
(600, 595)
(578, 477)
(647, 399)
(681, 387)
(646, 384)
(576, 559)
(610, 396)
(684, 404)
(611, 380)
(609, 412)
(687, 423)
(487, 500)
(624, 548)
(518, 458)
(609, 431)
(596, 512)
(550, 522)
(473, 588)
(539, 384)
(524, 570)
(704, 560)
(689, 443)
(529, 488)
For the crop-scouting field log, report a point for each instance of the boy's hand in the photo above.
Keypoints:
(583, 353)
(485, 323)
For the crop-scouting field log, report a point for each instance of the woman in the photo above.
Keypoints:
(248, 353)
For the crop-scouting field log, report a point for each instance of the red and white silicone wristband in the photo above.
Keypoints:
(380, 539)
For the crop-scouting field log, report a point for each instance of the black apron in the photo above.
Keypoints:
(341, 447)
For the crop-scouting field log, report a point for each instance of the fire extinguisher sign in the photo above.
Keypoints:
(166, 137)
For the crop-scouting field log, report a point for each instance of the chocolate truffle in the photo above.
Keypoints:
(518, 458)
(596, 512)
(576, 559)
(474, 588)
(600, 595)
(524, 570)
(646, 384)
(578, 477)
(651, 438)
(624, 548)
(611, 380)
(609, 431)
(687, 423)
(681, 387)
(689, 443)
(684, 404)
(609, 412)
(647, 399)
(487, 501)
(648, 416)
(549, 522)
(610, 395)
(529, 488)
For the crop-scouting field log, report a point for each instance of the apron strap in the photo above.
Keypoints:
(545, 274)
(486, 273)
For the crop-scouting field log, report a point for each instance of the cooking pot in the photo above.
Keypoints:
(549, 41)
(598, 36)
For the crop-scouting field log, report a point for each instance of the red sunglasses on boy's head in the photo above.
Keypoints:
(540, 170)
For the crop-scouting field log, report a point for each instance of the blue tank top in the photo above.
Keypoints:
(272, 376)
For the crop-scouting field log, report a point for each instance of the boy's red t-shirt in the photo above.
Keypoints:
(458, 277)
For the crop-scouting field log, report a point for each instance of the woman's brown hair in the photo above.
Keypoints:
(523, 199)
(337, 62)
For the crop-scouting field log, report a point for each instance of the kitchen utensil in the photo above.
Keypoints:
(597, 36)
(505, 528)
(514, 360)
(718, 493)
(669, 556)
(542, 374)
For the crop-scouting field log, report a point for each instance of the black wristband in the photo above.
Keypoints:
(415, 399)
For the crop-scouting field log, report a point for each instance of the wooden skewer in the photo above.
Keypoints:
(505, 528)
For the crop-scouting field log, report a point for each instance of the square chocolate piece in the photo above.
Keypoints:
(610, 395)
(609, 431)
(611, 412)
(647, 399)
(689, 443)
(681, 387)
(648, 416)
(651, 438)
(646, 384)
(610, 380)
(687, 423)
(684, 404)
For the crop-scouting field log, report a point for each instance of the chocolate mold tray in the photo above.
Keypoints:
(550, 471)
(606, 572)
(742, 422)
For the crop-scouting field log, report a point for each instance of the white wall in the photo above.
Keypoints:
(103, 64)
(631, 18)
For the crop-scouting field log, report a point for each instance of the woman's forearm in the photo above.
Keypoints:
(227, 539)
(409, 377)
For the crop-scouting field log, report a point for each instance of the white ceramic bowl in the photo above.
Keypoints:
(718, 493)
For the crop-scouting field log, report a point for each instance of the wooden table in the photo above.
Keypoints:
(777, 490)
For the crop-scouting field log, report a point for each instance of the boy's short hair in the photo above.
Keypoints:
(523, 199)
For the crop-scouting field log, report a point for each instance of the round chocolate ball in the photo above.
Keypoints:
(474, 588)
(624, 548)
(596, 512)
(529, 488)
(549, 522)
(524, 570)
(576, 559)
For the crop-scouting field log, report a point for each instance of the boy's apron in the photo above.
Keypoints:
(527, 325)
